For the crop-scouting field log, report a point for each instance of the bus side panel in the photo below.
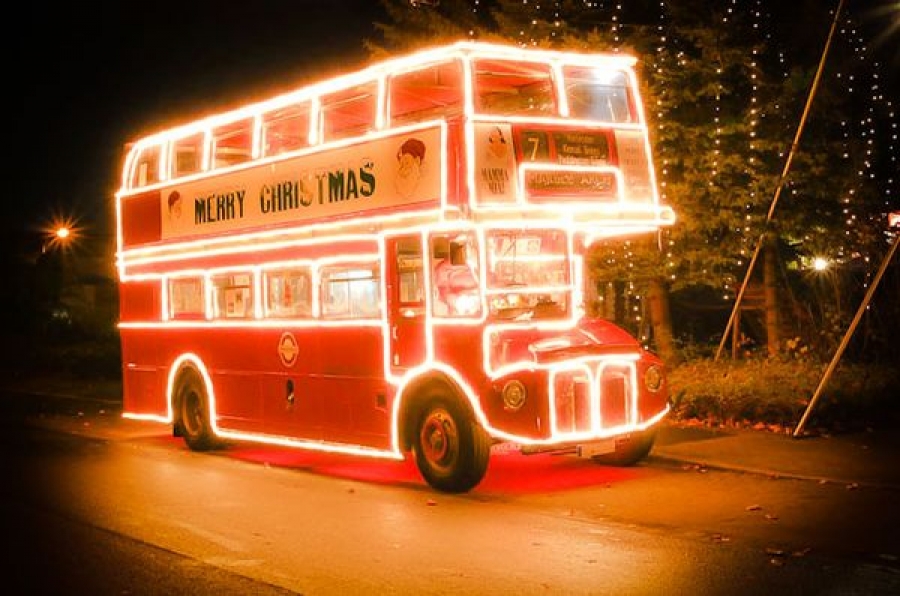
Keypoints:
(459, 347)
(231, 356)
(139, 301)
(143, 379)
(350, 378)
(457, 188)
(289, 405)
(141, 219)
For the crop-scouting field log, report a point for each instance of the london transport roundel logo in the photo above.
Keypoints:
(288, 349)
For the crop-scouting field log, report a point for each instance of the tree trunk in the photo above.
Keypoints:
(770, 294)
(661, 320)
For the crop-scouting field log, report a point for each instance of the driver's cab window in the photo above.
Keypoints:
(455, 275)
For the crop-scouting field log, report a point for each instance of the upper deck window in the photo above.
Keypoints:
(431, 92)
(285, 129)
(233, 143)
(349, 112)
(508, 88)
(146, 167)
(187, 155)
(597, 93)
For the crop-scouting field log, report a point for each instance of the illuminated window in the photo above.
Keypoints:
(527, 274)
(351, 291)
(431, 92)
(187, 155)
(285, 129)
(508, 88)
(597, 94)
(455, 276)
(186, 298)
(289, 293)
(349, 113)
(146, 167)
(411, 272)
(233, 296)
(232, 143)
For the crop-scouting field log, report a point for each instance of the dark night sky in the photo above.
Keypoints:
(89, 78)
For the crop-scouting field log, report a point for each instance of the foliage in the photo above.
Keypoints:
(776, 393)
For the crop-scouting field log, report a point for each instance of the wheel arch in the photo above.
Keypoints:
(183, 366)
(414, 394)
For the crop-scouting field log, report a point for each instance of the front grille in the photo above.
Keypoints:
(615, 394)
(591, 399)
(572, 404)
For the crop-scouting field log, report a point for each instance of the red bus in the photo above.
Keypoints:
(389, 263)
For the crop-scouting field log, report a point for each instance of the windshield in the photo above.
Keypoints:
(510, 88)
(598, 94)
(528, 274)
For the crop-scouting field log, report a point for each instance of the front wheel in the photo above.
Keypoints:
(451, 448)
(194, 415)
(629, 450)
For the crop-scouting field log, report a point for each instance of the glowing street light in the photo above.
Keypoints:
(821, 264)
(59, 234)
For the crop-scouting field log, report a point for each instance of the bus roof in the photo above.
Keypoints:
(460, 49)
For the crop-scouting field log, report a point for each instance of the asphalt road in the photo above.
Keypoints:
(92, 505)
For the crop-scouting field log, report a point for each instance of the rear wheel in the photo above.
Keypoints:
(451, 448)
(629, 450)
(193, 414)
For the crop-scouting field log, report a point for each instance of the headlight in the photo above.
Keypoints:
(653, 378)
(514, 395)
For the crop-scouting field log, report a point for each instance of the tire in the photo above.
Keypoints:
(193, 414)
(629, 450)
(451, 448)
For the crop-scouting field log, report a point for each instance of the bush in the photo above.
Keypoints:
(777, 393)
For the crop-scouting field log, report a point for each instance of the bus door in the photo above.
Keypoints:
(404, 263)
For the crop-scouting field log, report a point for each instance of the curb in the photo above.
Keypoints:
(710, 464)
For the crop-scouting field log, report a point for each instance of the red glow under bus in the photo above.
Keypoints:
(390, 262)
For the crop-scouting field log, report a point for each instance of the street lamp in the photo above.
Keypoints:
(59, 234)
(820, 263)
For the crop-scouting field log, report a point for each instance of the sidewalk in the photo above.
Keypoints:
(868, 458)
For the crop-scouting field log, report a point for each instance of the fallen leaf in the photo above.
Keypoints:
(431, 502)
(771, 517)
(753, 508)
(775, 552)
(801, 553)
(852, 486)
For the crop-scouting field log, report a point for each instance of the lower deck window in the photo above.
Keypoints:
(185, 298)
(232, 296)
(289, 293)
(351, 292)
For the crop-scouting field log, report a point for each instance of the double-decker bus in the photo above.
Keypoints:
(389, 263)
